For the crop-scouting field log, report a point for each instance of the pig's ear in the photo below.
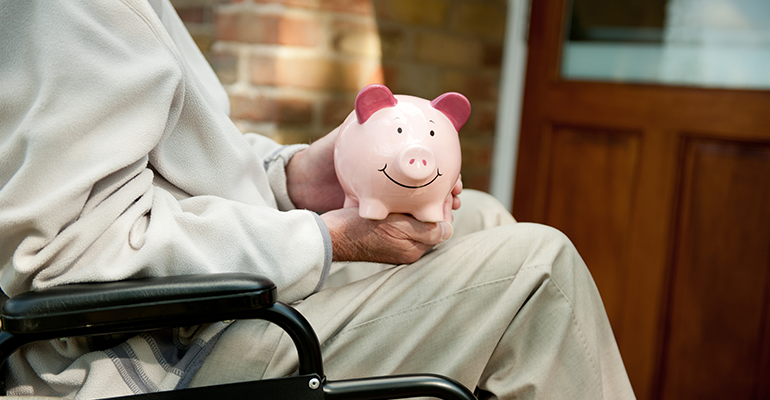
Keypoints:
(455, 106)
(372, 99)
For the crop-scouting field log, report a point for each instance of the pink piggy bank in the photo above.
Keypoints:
(400, 154)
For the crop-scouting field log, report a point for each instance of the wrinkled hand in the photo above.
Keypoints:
(398, 239)
(310, 177)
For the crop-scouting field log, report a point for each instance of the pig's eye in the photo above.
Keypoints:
(432, 133)
(400, 130)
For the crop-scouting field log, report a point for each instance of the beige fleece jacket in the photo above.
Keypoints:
(116, 161)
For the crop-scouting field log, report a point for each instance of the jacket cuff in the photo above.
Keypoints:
(328, 252)
(275, 166)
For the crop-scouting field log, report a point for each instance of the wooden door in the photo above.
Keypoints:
(665, 191)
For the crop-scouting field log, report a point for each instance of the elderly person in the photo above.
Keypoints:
(118, 160)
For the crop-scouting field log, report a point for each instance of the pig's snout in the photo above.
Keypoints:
(416, 163)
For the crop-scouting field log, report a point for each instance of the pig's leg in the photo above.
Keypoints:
(372, 209)
(350, 202)
(430, 213)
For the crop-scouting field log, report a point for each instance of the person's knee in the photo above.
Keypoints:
(479, 211)
(536, 235)
(566, 267)
(517, 243)
(500, 252)
(542, 244)
(548, 235)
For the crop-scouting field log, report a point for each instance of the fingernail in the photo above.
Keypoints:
(446, 230)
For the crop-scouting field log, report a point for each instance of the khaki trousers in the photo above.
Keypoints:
(508, 308)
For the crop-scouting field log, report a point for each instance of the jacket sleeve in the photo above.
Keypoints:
(116, 162)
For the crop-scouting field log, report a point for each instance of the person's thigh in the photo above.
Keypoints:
(445, 314)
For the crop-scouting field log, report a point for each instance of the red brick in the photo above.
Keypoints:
(360, 7)
(262, 69)
(321, 74)
(236, 27)
(307, 72)
(299, 32)
(293, 111)
(310, 4)
(225, 65)
(256, 109)
(261, 109)
(268, 29)
(196, 3)
(377, 76)
(355, 38)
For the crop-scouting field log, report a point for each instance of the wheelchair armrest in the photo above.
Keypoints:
(135, 305)
(154, 303)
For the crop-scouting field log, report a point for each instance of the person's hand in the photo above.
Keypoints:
(398, 239)
(310, 177)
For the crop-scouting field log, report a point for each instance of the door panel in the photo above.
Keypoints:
(719, 292)
(591, 177)
(665, 192)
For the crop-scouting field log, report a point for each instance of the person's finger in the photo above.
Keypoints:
(448, 206)
(432, 233)
(456, 190)
(427, 233)
(458, 187)
(456, 203)
(446, 230)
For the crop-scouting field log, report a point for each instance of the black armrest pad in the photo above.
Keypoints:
(135, 305)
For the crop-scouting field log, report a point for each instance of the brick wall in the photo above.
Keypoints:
(293, 67)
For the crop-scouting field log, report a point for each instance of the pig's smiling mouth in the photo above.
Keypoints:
(438, 173)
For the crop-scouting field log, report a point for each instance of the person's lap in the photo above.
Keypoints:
(476, 307)
(480, 211)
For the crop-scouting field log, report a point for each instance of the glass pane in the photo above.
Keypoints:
(711, 43)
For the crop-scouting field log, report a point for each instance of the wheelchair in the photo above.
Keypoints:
(141, 305)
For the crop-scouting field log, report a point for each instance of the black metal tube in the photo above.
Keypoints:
(401, 386)
(300, 331)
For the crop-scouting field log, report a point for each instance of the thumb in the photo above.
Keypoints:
(439, 232)
(446, 230)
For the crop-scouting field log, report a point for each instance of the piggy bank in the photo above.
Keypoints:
(400, 154)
